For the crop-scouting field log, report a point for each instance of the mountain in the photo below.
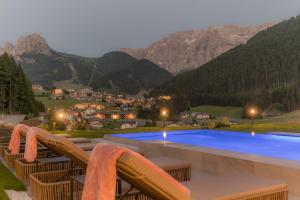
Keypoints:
(131, 76)
(263, 71)
(42, 64)
(48, 67)
(185, 50)
(16, 95)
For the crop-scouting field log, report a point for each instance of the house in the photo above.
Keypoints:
(165, 98)
(193, 117)
(57, 92)
(37, 87)
(96, 125)
(128, 124)
(116, 115)
(201, 115)
(89, 111)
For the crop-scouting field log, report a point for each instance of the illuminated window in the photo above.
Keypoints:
(100, 116)
(130, 116)
(115, 116)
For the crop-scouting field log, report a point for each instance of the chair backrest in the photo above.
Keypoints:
(63, 146)
(145, 178)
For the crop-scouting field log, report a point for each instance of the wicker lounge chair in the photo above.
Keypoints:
(144, 178)
(10, 158)
(24, 169)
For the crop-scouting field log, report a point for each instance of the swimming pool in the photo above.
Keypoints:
(275, 146)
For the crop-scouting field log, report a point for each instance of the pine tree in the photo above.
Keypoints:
(16, 94)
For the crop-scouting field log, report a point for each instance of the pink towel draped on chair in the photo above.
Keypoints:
(100, 180)
(31, 144)
(14, 143)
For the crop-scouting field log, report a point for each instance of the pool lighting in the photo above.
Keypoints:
(164, 135)
(253, 133)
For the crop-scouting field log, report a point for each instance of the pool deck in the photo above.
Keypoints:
(224, 163)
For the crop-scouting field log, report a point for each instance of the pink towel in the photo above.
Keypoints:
(31, 144)
(14, 143)
(100, 180)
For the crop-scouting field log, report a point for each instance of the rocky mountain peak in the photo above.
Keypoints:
(33, 43)
(190, 49)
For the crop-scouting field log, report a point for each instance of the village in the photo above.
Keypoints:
(96, 110)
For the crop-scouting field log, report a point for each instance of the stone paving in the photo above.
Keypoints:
(17, 195)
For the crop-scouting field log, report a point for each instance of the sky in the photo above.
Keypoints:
(94, 27)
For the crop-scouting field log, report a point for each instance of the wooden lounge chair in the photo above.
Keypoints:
(10, 158)
(4, 146)
(150, 184)
(64, 135)
(79, 140)
(128, 146)
(86, 146)
(24, 169)
(65, 147)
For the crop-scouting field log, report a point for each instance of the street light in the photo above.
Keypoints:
(164, 113)
(60, 115)
(252, 113)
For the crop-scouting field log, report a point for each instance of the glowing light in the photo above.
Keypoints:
(164, 112)
(115, 116)
(131, 116)
(167, 98)
(164, 135)
(60, 115)
(253, 133)
(252, 111)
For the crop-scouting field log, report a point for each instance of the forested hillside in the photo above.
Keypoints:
(120, 72)
(263, 71)
(16, 94)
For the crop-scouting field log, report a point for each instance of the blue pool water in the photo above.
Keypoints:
(276, 146)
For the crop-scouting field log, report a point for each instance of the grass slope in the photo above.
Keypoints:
(221, 111)
(8, 181)
(3, 195)
(289, 122)
(62, 104)
(291, 117)
(58, 104)
(266, 127)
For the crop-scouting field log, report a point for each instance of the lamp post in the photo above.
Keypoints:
(164, 113)
(252, 113)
